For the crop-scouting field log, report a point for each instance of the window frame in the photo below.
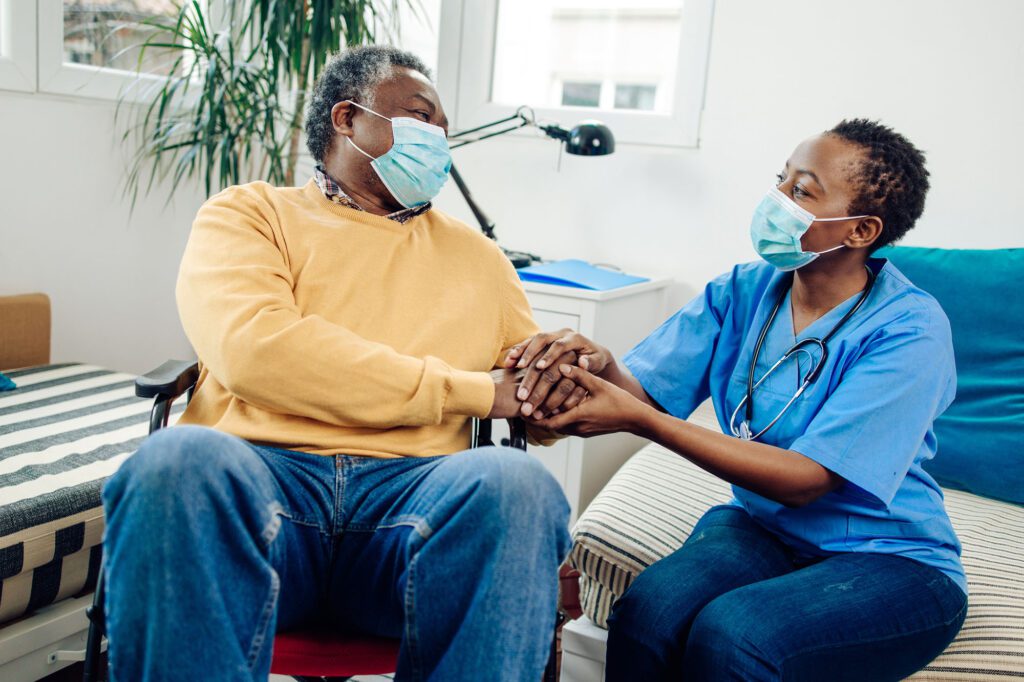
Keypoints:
(467, 49)
(59, 77)
(17, 47)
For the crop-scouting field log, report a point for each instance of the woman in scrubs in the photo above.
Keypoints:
(835, 559)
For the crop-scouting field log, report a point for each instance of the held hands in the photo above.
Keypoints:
(544, 390)
(550, 389)
(606, 409)
(541, 382)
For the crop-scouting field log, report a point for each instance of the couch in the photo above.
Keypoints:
(63, 430)
(650, 506)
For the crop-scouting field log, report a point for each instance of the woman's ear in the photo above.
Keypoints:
(865, 233)
(341, 118)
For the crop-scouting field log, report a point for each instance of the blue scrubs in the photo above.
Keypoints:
(868, 417)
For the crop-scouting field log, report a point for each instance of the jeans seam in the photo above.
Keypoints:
(341, 464)
(419, 524)
(260, 636)
(298, 521)
(273, 526)
(411, 639)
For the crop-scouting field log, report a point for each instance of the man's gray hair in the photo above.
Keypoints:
(353, 74)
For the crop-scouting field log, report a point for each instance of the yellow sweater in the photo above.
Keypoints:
(328, 330)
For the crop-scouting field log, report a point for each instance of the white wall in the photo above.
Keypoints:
(65, 230)
(947, 74)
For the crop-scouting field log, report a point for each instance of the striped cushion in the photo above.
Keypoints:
(650, 506)
(63, 432)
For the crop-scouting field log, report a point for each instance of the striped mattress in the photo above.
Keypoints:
(650, 506)
(63, 431)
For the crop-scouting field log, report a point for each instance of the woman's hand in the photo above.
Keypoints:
(543, 350)
(606, 409)
(544, 391)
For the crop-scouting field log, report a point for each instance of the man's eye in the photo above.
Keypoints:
(425, 115)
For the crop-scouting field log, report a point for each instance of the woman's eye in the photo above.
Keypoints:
(798, 190)
(779, 179)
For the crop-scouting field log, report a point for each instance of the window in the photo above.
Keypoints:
(638, 64)
(576, 94)
(88, 47)
(635, 97)
(107, 34)
(17, 45)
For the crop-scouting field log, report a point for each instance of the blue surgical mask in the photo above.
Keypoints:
(777, 227)
(416, 167)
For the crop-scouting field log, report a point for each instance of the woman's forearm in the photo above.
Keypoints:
(781, 475)
(620, 376)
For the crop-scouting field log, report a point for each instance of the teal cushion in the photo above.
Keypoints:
(981, 435)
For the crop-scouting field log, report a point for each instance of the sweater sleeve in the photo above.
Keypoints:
(235, 297)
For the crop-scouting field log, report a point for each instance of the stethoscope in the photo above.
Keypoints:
(800, 347)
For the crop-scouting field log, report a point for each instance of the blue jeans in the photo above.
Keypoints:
(213, 545)
(734, 603)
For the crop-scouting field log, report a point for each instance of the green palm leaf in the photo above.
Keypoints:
(233, 108)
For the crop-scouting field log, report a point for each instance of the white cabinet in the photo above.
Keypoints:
(617, 319)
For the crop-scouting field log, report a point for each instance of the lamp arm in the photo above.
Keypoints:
(556, 132)
(520, 117)
(462, 143)
(523, 117)
(486, 224)
(514, 117)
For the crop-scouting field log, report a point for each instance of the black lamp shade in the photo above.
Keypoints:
(590, 138)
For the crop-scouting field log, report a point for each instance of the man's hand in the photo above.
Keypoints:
(544, 390)
(506, 404)
(606, 409)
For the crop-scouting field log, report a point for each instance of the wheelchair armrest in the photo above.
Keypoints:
(482, 433)
(170, 379)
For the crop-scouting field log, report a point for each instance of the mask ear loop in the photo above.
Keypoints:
(359, 149)
(368, 110)
(833, 220)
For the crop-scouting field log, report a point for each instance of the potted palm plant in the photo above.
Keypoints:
(232, 108)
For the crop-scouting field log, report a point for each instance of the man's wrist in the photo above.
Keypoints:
(612, 371)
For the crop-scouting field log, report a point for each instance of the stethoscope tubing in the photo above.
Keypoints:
(812, 376)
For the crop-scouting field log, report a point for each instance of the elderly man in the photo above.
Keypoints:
(346, 330)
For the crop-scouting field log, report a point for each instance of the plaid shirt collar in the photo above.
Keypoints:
(332, 190)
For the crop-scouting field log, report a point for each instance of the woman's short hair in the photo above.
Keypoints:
(893, 179)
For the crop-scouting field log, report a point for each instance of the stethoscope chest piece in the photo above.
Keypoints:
(743, 430)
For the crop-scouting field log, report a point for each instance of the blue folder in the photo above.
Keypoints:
(579, 274)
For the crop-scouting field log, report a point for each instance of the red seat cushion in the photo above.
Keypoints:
(330, 653)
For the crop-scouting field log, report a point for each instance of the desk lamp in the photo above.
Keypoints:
(587, 138)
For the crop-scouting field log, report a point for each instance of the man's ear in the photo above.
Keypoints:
(341, 118)
(868, 230)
